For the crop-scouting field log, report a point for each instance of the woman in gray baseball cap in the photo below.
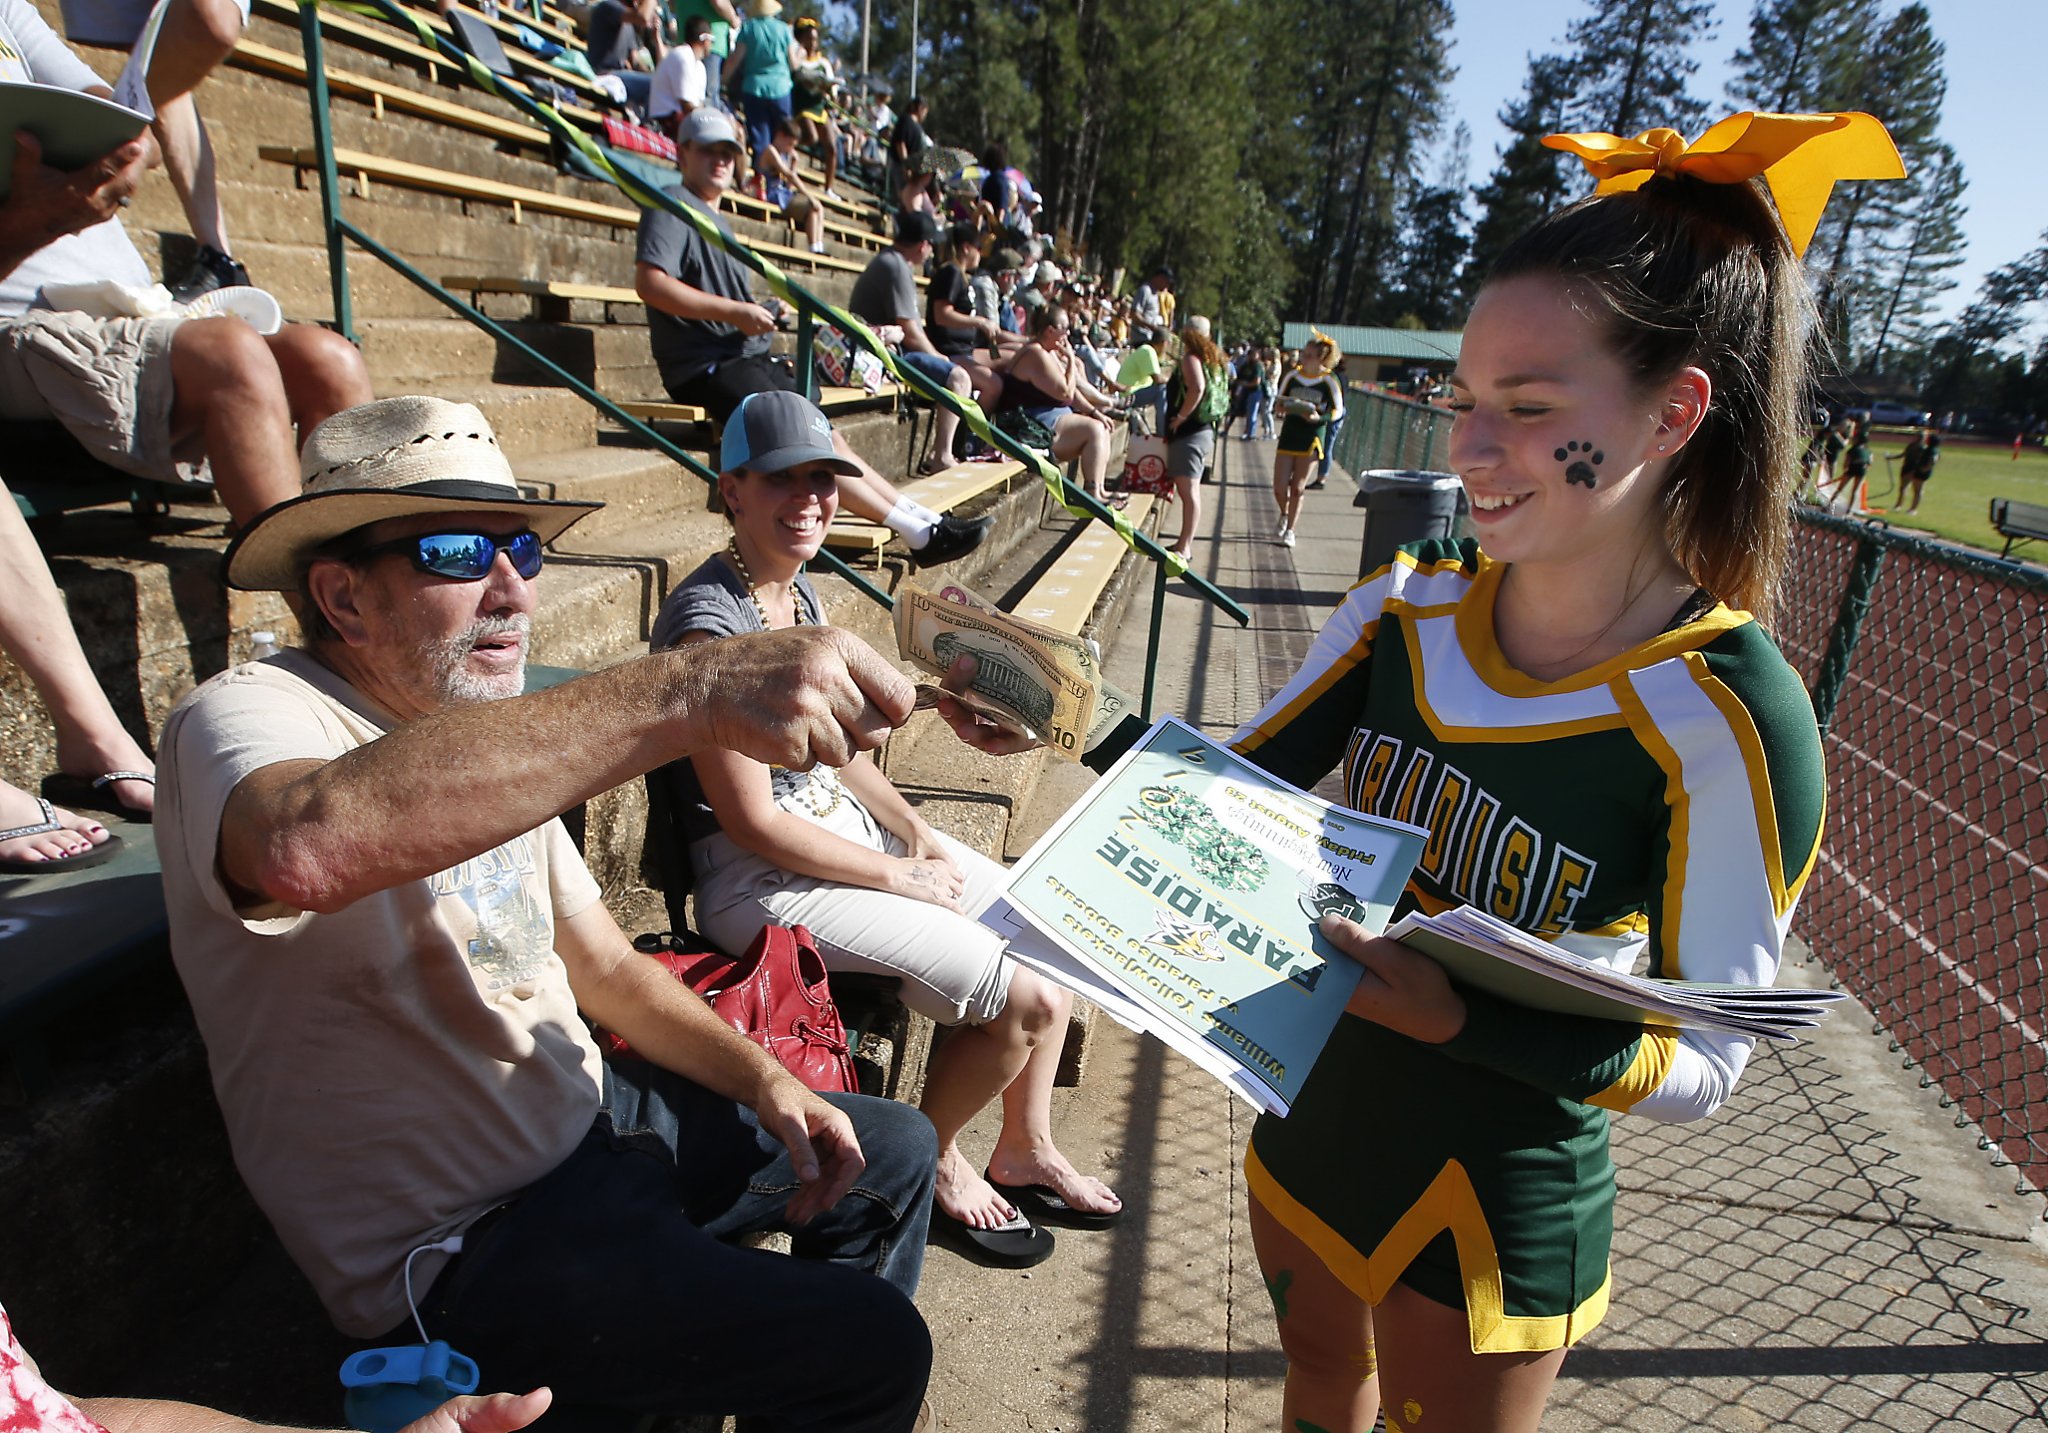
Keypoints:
(845, 855)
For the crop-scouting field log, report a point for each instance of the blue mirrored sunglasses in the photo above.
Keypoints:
(464, 556)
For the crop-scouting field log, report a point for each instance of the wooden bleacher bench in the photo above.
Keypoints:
(383, 39)
(1065, 596)
(2018, 522)
(381, 96)
(942, 492)
(365, 168)
(831, 401)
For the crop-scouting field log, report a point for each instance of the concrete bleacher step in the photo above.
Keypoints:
(405, 354)
(637, 486)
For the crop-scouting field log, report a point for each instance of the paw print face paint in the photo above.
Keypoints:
(1581, 460)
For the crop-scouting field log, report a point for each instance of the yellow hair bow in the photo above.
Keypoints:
(1800, 156)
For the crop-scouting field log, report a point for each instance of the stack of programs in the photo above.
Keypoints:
(1031, 678)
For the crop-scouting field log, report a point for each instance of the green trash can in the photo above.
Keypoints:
(1404, 505)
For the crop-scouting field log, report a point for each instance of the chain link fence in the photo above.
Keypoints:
(1381, 431)
(1930, 899)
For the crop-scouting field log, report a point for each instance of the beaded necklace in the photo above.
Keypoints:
(819, 804)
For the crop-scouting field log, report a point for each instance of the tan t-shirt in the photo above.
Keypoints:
(394, 1070)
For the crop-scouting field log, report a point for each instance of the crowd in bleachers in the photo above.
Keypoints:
(300, 812)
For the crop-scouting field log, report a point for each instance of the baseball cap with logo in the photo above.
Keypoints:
(772, 431)
(705, 125)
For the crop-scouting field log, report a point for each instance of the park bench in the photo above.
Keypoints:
(2018, 522)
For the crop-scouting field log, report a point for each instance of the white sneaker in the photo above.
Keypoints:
(833, 195)
(1287, 538)
(1280, 530)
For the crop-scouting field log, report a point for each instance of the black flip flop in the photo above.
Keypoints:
(50, 825)
(1044, 1204)
(1018, 1244)
(79, 793)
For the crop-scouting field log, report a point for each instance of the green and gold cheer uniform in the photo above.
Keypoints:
(1667, 802)
(1301, 436)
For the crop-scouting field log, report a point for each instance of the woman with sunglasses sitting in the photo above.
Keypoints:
(844, 854)
(1045, 393)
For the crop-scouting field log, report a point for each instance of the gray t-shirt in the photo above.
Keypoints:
(886, 291)
(31, 51)
(687, 349)
(713, 599)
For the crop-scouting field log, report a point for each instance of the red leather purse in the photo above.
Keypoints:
(776, 995)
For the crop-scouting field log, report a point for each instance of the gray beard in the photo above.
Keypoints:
(455, 684)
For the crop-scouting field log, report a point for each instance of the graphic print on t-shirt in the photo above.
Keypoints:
(514, 937)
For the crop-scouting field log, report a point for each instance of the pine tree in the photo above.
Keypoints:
(1632, 61)
(1916, 259)
(1803, 55)
(1900, 79)
(1529, 181)
(1433, 245)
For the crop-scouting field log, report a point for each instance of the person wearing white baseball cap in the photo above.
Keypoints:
(392, 947)
(710, 334)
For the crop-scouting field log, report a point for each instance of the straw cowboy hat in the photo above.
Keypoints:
(397, 457)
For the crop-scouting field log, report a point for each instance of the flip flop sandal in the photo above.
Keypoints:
(79, 793)
(20, 866)
(1018, 1244)
(1044, 1204)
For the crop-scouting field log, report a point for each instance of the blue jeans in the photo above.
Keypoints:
(610, 1280)
(761, 116)
(1153, 396)
(1329, 447)
(639, 85)
(1260, 409)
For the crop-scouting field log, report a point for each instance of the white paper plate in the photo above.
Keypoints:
(252, 305)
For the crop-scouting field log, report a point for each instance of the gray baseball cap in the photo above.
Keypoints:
(772, 431)
(705, 125)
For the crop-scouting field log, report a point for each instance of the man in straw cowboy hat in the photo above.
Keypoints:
(391, 947)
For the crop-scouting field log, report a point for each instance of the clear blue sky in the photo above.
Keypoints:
(1997, 51)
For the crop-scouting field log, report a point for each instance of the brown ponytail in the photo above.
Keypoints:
(1692, 274)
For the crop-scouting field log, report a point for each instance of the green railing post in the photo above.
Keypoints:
(1152, 642)
(1834, 664)
(806, 347)
(330, 182)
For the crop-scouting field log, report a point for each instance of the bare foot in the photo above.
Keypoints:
(1083, 1192)
(94, 756)
(966, 1196)
(18, 808)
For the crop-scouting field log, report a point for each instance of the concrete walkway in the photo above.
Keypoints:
(1829, 1253)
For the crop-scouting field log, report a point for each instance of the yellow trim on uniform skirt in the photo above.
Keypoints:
(1314, 450)
(1450, 1203)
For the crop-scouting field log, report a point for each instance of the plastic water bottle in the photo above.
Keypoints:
(261, 645)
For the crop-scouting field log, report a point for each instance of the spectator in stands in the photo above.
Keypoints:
(956, 330)
(1044, 289)
(1048, 402)
(35, 1407)
(881, 123)
(1197, 398)
(98, 763)
(161, 398)
(724, 19)
(391, 947)
(758, 68)
(625, 40)
(784, 187)
(678, 86)
(1009, 275)
(1139, 377)
(815, 79)
(845, 856)
(886, 293)
(910, 167)
(986, 292)
(710, 336)
(196, 35)
(1147, 301)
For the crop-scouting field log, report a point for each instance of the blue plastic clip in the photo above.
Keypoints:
(391, 1387)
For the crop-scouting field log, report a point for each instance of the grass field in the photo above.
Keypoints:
(1956, 502)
